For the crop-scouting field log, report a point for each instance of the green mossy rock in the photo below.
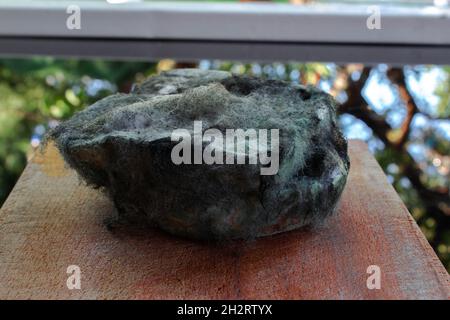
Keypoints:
(123, 144)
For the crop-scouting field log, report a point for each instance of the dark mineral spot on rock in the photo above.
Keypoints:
(124, 144)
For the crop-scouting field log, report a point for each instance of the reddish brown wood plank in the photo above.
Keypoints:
(51, 221)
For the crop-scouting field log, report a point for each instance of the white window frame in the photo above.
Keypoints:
(237, 31)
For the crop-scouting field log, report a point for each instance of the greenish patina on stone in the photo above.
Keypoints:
(123, 144)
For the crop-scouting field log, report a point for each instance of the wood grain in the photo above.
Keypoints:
(51, 220)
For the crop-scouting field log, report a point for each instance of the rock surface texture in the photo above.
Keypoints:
(123, 144)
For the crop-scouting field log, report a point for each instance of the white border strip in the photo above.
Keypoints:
(246, 22)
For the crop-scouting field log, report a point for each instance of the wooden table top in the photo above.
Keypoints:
(51, 221)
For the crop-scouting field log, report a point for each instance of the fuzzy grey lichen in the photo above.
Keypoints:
(123, 144)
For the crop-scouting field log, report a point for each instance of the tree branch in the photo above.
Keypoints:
(400, 136)
(358, 107)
